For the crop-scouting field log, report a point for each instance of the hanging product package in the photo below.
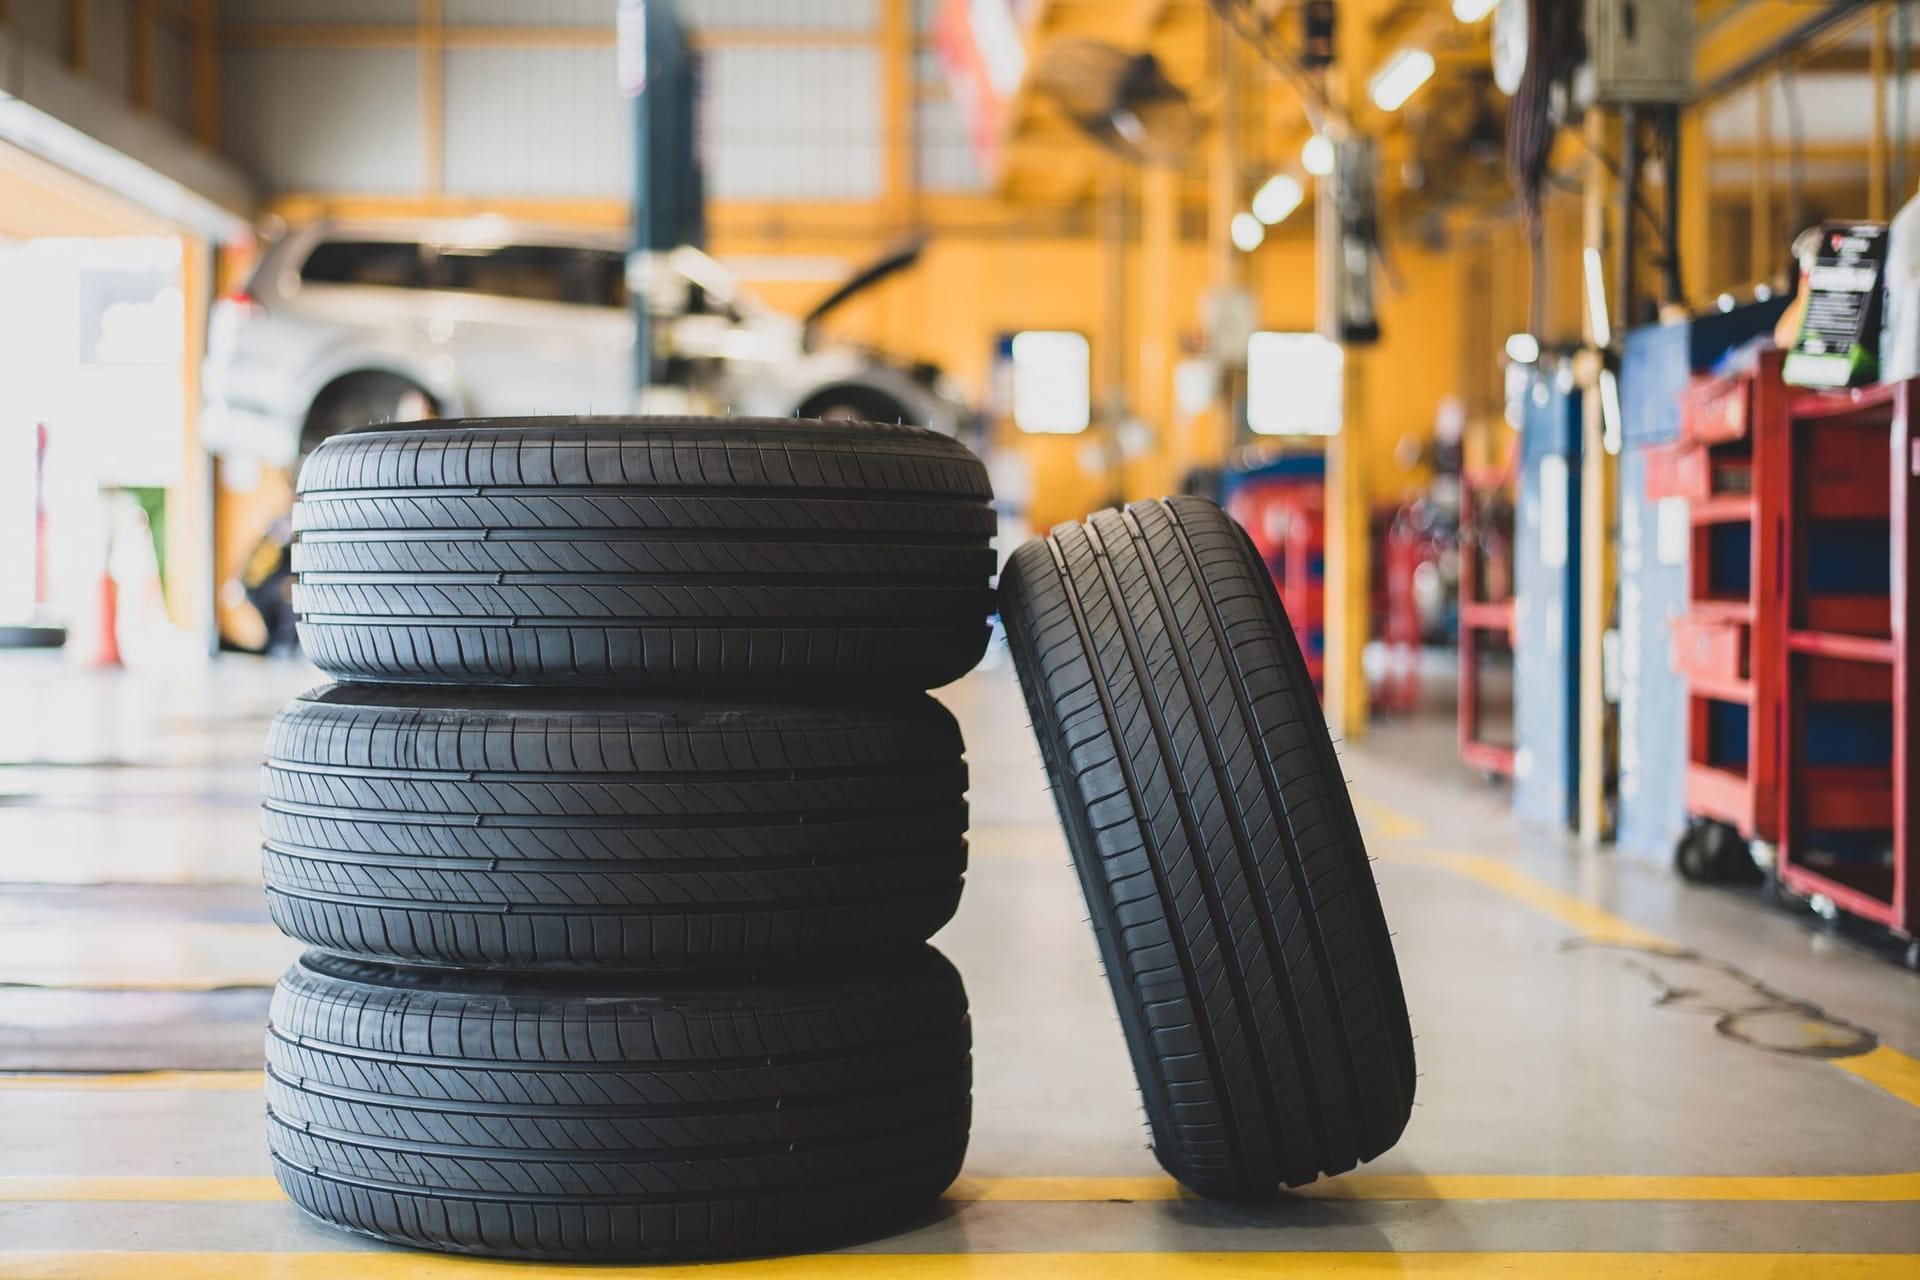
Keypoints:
(1838, 344)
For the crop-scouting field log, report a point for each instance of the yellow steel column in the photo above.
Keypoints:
(896, 110)
(1349, 527)
(433, 98)
(1877, 137)
(189, 513)
(1597, 468)
(1761, 251)
(1157, 328)
(1695, 232)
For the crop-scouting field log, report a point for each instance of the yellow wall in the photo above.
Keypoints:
(968, 289)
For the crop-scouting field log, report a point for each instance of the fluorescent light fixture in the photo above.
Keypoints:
(1279, 196)
(1597, 298)
(1611, 432)
(1471, 11)
(1294, 384)
(1523, 348)
(1246, 232)
(1052, 382)
(1400, 78)
(1317, 156)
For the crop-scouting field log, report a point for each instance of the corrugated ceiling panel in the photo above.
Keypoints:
(793, 122)
(324, 119)
(528, 13)
(405, 12)
(784, 15)
(539, 121)
(943, 156)
(172, 75)
(109, 50)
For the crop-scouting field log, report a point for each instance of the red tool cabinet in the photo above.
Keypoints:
(1850, 545)
(1729, 466)
(1486, 611)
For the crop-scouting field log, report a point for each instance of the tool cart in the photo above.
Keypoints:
(1486, 612)
(1730, 467)
(1849, 759)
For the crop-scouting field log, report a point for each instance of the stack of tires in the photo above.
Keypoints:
(620, 840)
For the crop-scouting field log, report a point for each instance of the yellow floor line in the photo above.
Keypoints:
(1885, 1066)
(982, 1266)
(137, 1081)
(1385, 821)
(1888, 1068)
(1875, 1188)
(1584, 917)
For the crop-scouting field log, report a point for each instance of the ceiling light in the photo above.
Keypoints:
(1280, 196)
(1523, 348)
(1471, 11)
(1316, 157)
(1397, 81)
(1247, 232)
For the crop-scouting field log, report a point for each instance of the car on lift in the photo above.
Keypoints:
(346, 323)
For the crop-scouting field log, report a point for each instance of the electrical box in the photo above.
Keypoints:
(1640, 51)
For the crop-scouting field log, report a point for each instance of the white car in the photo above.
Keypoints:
(346, 323)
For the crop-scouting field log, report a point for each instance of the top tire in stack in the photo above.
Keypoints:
(620, 841)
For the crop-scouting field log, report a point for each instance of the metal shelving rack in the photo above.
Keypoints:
(1846, 835)
(1480, 620)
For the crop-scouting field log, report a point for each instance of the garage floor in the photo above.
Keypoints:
(1621, 1076)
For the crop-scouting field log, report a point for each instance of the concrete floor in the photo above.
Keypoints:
(1620, 1075)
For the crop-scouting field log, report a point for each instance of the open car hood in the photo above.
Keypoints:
(892, 262)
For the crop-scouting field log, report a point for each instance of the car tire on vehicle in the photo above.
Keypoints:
(657, 552)
(580, 1119)
(1231, 894)
(497, 829)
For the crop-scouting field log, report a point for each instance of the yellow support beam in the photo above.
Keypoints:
(431, 33)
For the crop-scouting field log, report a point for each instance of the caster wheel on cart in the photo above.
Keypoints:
(1913, 954)
(1713, 853)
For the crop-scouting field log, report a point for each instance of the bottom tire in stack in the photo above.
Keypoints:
(590, 1118)
(620, 846)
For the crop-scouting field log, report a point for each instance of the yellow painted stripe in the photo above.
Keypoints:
(1577, 914)
(1851, 1188)
(983, 1266)
(137, 1081)
(1384, 822)
(1888, 1068)
(1876, 1187)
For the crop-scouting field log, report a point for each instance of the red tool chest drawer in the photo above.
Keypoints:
(1716, 410)
(1848, 474)
(1711, 653)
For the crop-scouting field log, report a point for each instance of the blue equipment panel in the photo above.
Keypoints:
(1654, 553)
(1546, 685)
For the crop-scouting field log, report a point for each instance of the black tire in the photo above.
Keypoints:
(1711, 852)
(513, 830)
(573, 1119)
(726, 553)
(1232, 897)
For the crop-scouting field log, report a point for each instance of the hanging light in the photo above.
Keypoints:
(1316, 157)
(1279, 196)
(1246, 232)
(1523, 348)
(1400, 78)
(1471, 11)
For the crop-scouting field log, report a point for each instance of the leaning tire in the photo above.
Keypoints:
(649, 551)
(513, 830)
(572, 1119)
(1231, 894)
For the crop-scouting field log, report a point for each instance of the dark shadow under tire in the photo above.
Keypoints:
(533, 830)
(675, 552)
(581, 1120)
(1230, 891)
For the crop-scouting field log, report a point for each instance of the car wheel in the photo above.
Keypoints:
(582, 1120)
(1230, 892)
(522, 830)
(738, 553)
